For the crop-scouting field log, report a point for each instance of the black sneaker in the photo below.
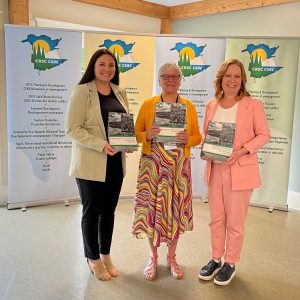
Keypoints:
(210, 270)
(225, 275)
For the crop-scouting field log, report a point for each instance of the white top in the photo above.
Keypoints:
(226, 115)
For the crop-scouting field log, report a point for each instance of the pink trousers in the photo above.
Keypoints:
(228, 212)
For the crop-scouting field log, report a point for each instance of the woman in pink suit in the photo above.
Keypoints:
(231, 183)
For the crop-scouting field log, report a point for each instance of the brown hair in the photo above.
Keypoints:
(89, 73)
(219, 93)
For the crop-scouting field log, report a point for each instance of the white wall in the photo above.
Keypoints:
(276, 21)
(91, 15)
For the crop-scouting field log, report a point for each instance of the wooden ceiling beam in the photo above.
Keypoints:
(200, 8)
(166, 26)
(209, 7)
(133, 6)
(18, 12)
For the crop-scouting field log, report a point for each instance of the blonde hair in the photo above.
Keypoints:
(219, 93)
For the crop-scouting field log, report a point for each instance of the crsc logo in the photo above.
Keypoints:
(123, 54)
(45, 53)
(190, 58)
(262, 60)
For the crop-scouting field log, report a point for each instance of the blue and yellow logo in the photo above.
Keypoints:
(262, 60)
(45, 53)
(190, 58)
(123, 54)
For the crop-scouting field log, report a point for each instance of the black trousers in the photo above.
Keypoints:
(99, 201)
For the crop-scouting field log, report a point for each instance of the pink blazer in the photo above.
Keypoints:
(252, 132)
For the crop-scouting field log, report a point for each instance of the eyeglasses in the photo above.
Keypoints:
(168, 77)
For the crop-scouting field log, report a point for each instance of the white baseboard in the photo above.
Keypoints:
(294, 200)
(3, 195)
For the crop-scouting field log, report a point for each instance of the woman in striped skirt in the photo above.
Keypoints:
(163, 203)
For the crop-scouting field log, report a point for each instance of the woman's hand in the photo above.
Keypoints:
(152, 132)
(235, 155)
(109, 150)
(182, 137)
(205, 157)
(129, 151)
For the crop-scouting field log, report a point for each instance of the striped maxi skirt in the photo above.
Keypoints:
(163, 202)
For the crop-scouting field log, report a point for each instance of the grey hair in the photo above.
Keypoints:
(167, 66)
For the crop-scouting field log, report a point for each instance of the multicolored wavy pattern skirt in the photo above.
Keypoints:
(163, 203)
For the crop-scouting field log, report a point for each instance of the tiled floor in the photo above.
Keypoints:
(41, 258)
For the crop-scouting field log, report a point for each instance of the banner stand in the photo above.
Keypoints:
(25, 205)
(271, 207)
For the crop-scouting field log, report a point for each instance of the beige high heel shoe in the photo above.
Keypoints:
(109, 266)
(151, 269)
(175, 269)
(99, 271)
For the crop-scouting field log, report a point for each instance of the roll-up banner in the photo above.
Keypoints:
(42, 66)
(271, 66)
(199, 60)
